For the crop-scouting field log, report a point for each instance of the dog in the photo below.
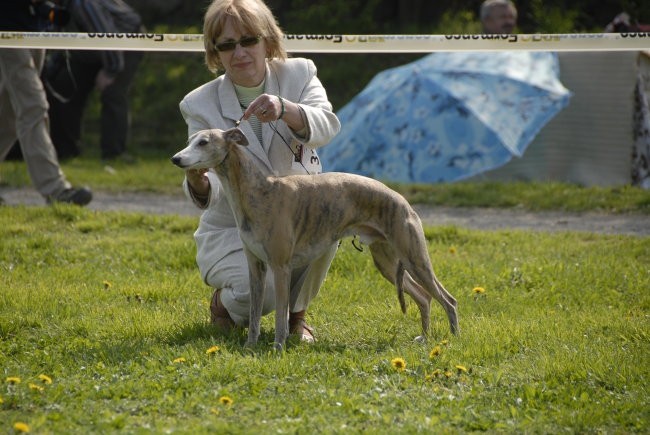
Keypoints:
(287, 222)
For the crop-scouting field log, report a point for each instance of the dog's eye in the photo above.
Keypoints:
(202, 142)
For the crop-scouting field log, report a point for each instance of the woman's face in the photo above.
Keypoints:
(246, 66)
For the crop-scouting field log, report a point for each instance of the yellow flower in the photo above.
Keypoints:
(225, 400)
(107, 285)
(213, 349)
(478, 290)
(179, 360)
(35, 387)
(448, 374)
(398, 364)
(431, 376)
(461, 369)
(1, 401)
(444, 342)
(452, 250)
(21, 427)
(435, 352)
(45, 379)
(13, 380)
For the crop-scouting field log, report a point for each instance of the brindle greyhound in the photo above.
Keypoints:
(287, 222)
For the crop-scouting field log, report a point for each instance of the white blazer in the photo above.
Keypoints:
(215, 105)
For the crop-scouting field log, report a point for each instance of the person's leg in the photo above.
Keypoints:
(230, 277)
(7, 118)
(305, 285)
(115, 112)
(20, 69)
(73, 85)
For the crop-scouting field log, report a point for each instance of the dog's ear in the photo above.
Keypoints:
(235, 135)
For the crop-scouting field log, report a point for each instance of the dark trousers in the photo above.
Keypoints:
(69, 86)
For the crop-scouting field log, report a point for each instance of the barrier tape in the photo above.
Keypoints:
(338, 43)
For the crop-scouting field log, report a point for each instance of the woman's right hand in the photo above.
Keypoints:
(198, 181)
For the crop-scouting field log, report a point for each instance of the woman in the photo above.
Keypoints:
(285, 116)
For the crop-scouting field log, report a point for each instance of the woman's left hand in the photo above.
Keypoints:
(267, 108)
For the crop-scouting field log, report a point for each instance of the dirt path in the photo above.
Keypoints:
(477, 218)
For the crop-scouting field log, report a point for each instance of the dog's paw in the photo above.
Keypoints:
(421, 339)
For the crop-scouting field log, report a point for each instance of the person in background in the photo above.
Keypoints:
(23, 108)
(72, 76)
(498, 16)
(285, 116)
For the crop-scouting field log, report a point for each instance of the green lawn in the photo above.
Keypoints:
(109, 307)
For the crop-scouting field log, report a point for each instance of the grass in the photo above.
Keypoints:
(154, 173)
(110, 307)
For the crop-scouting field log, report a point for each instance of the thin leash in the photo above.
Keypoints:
(296, 156)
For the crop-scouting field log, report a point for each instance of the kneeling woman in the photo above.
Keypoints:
(285, 115)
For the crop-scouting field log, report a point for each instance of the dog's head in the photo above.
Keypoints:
(208, 148)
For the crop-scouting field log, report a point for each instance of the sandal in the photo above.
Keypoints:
(219, 315)
(298, 326)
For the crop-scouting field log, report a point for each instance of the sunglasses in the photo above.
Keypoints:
(246, 41)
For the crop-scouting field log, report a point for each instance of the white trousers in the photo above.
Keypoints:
(231, 275)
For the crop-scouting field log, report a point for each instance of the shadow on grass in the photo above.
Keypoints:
(237, 339)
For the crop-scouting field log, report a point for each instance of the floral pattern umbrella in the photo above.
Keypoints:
(447, 116)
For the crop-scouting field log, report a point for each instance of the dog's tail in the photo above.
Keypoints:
(399, 283)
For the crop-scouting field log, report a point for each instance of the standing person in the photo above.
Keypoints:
(285, 116)
(498, 16)
(23, 109)
(78, 72)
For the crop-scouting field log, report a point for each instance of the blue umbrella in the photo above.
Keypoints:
(447, 116)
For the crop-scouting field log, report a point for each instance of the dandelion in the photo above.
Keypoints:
(13, 380)
(35, 387)
(2, 401)
(179, 360)
(452, 250)
(435, 352)
(461, 369)
(398, 364)
(107, 285)
(478, 290)
(21, 427)
(448, 374)
(444, 342)
(433, 375)
(45, 379)
(212, 350)
(225, 400)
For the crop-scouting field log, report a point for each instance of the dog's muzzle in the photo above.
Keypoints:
(177, 161)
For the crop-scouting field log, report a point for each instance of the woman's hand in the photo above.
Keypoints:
(198, 181)
(270, 108)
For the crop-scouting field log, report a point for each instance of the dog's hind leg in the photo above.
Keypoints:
(399, 283)
(411, 248)
(388, 265)
(257, 273)
(423, 274)
(450, 307)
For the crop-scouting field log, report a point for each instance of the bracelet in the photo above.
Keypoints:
(282, 105)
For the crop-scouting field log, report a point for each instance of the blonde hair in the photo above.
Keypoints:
(251, 16)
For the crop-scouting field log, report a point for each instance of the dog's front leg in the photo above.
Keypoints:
(257, 274)
(282, 278)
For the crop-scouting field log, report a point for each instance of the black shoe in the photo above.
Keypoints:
(73, 195)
